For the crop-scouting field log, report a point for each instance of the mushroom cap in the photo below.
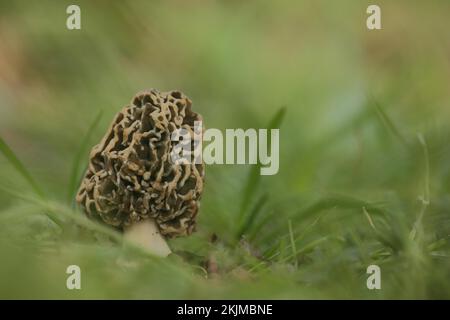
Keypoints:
(131, 176)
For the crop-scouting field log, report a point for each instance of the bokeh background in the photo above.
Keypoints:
(364, 146)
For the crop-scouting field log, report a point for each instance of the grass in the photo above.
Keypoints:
(304, 255)
(357, 185)
(19, 167)
(76, 175)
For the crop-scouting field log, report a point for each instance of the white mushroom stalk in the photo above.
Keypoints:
(145, 234)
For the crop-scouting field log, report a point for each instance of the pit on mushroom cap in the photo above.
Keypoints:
(131, 183)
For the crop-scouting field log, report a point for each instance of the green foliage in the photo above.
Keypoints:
(355, 187)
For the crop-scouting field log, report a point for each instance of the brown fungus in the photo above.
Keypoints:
(131, 181)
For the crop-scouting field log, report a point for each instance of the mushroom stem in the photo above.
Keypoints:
(146, 235)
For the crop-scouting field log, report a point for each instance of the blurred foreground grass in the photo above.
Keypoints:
(365, 154)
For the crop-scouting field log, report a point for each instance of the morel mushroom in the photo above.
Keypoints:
(132, 183)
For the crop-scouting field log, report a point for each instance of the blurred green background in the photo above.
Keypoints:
(364, 146)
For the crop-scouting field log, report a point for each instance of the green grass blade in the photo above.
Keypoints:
(338, 201)
(251, 217)
(254, 175)
(293, 247)
(75, 172)
(425, 199)
(20, 168)
(388, 123)
(27, 198)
